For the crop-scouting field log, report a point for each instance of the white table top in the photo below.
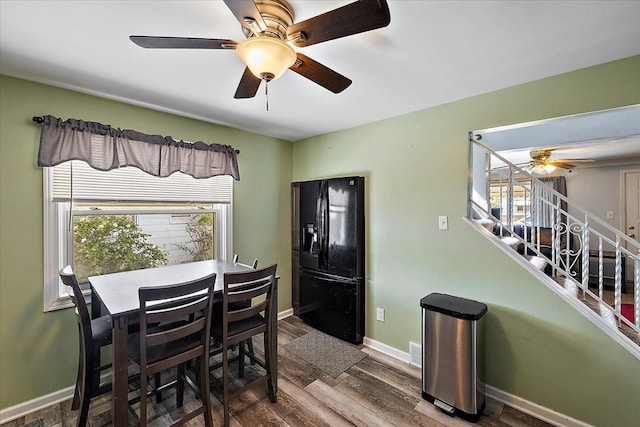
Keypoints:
(119, 291)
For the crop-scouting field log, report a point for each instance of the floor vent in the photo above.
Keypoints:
(416, 354)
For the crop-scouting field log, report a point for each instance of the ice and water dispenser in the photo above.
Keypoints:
(453, 354)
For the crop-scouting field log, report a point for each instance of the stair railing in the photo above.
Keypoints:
(580, 242)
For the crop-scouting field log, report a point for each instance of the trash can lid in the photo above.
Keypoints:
(461, 308)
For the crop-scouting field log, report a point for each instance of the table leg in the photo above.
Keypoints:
(95, 305)
(119, 409)
(274, 337)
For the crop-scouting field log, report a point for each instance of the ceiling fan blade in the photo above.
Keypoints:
(573, 160)
(561, 164)
(318, 73)
(354, 18)
(159, 42)
(247, 13)
(248, 85)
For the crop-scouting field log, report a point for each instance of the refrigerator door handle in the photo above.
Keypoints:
(330, 278)
(327, 224)
(322, 218)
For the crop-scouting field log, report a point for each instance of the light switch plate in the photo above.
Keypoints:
(609, 214)
(380, 314)
(443, 222)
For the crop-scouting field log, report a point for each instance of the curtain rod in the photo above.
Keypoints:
(40, 120)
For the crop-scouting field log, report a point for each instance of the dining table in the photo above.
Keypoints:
(116, 295)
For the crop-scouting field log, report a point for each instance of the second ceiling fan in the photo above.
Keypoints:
(269, 28)
(542, 162)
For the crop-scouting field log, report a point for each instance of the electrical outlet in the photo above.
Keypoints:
(380, 314)
(443, 222)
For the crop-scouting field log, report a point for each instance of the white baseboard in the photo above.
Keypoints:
(516, 402)
(33, 405)
(538, 411)
(284, 314)
(25, 408)
(523, 405)
(387, 349)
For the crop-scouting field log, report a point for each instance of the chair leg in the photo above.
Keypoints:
(225, 385)
(84, 409)
(198, 372)
(270, 367)
(85, 387)
(143, 399)
(241, 359)
(92, 367)
(157, 384)
(205, 395)
(250, 350)
(75, 404)
(180, 386)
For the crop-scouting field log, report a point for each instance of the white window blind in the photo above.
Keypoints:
(130, 184)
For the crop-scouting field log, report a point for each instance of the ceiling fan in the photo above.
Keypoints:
(269, 30)
(542, 163)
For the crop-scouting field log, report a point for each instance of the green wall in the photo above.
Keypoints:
(538, 347)
(38, 351)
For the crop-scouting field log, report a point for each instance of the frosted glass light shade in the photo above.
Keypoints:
(541, 169)
(267, 57)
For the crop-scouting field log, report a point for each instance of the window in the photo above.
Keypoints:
(521, 203)
(102, 222)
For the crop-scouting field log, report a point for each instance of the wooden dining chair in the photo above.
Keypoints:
(240, 324)
(93, 335)
(249, 342)
(217, 316)
(254, 265)
(175, 323)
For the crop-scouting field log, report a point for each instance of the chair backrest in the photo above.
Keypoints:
(254, 265)
(68, 277)
(182, 332)
(247, 286)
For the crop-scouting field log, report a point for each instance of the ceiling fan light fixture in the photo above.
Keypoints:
(542, 168)
(267, 57)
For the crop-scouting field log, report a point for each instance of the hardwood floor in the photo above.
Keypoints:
(377, 391)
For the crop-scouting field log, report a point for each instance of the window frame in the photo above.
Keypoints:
(58, 239)
(500, 186)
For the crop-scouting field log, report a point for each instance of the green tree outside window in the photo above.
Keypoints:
(112, 243)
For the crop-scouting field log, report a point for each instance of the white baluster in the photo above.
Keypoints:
(600, 269)
(617, 287)
(636, 293)
(585, 255)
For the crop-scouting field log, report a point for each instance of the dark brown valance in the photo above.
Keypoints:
(105, 148)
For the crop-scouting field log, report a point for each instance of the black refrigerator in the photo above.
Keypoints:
(331, 273)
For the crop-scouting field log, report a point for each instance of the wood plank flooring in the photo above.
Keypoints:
(377, 391)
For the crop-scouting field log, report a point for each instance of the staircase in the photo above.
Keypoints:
(588, 262)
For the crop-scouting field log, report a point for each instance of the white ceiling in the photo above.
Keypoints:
(433, 52)
(590, 154)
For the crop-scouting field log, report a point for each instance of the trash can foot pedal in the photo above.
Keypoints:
(444, 407)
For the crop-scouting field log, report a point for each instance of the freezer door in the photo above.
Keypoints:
(345, 238)
(332, 305)
(310, 227)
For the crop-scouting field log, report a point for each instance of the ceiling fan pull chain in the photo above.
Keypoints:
(266, 92)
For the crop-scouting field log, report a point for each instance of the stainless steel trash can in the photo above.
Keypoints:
(453, 354)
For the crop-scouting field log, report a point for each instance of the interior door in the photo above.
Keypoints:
(632, 203)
